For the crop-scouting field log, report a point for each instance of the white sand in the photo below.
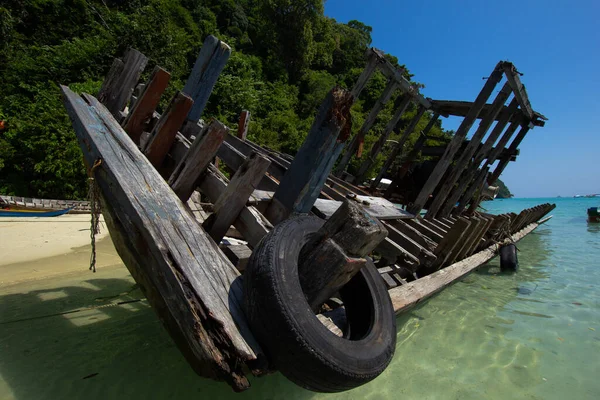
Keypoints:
(35, 248)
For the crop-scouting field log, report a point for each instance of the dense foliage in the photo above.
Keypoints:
(504, 192)
(286, 56)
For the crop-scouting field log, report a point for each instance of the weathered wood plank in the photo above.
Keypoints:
(115, 94)
(209, 64)
(393, 252)
(188, 172)
(163, 135)
(434, 235)
(307, 174)
(444, 162)
(448, 245)
(514, 145)
(194, 279)
(229, 204)
(251, 223)
(377, 207)
(337, 248)
(512, 75)
(413, 233)
(238, 254)
(146, 104)
(421, 252)
(243, 124)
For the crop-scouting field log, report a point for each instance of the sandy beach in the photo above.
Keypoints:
(35, 248)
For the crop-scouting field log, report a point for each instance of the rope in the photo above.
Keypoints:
(95, 210)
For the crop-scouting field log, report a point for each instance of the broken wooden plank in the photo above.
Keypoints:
(307, 174)
(163, 135)
(186, 176)
(243, 124)
(207, 68)
(188, 274)
(440, 169)
(146, 104)
(229, 204)
(121, 81)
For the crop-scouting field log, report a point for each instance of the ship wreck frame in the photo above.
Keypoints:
(186, 232)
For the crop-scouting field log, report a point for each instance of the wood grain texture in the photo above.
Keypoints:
(163, 135)
(397, 149)
(116, 93)
(186, 176)
(230, 203)
(243, 124)
(141, 113)
(198, 284)
(307, 174)
(209, 64)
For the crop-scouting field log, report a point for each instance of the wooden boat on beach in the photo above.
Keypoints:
(28, 213)
(321, 264)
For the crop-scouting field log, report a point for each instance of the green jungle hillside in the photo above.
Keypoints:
(286, 56)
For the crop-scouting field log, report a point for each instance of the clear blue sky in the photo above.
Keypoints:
(450, 45)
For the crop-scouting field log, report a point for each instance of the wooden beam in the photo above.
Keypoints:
(163, 135)
(190, 283)
(467, 196)
(378, 145)
(186, 176)
(358, 139)
(121, 80)
(454, 145)
(446, 197)
(230, 203)
(141, 113)
(243, 123)
(398, 147)
(209, 64)
(392, 72)
(365, 75)
(448, 245)
(307, 174)
(512, 75)
(461, 109)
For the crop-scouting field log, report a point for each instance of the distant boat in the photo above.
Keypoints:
(593, 214)
(33, 213)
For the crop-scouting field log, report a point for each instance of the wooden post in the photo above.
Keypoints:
(243, 123)
(305, 177)
(335, 254)
(187, 174)
(455, 144)
(144, 107)
(378, 145)
(366, 126)
(121, 80)
(446, 198)
(209, 64)
(163, 135)
(513, 147)
(361, 82)
(188, 280)
(398, 147)
(407, 161)
(229, 204)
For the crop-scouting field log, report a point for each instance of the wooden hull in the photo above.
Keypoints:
(27, 213)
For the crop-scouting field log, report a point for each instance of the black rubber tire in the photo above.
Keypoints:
(509, 261)
(295, 341)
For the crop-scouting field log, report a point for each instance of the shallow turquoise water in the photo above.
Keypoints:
(533, 335)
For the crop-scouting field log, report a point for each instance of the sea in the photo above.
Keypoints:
(530, 335)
